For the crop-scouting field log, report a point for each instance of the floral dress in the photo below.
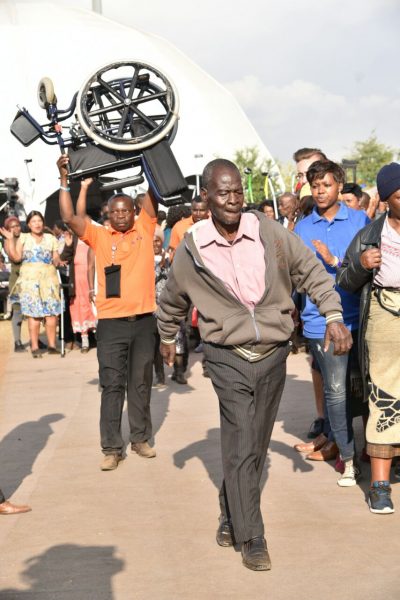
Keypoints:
(37, 287)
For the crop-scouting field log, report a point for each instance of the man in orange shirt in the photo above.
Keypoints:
(126, 330)
(199, 212)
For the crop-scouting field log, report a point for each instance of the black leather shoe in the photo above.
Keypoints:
(19, 347)
(255, 554)
(224, 535)
(316, 428)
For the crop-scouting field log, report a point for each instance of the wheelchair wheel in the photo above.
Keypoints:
(128, 106)
(45, 93)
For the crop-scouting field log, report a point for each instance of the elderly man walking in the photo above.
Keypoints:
(239, 270)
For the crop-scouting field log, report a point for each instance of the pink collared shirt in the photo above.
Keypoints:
(241, 264)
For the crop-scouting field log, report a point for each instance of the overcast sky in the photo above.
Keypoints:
(306, 72)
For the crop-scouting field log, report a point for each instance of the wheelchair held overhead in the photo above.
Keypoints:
(124, 116)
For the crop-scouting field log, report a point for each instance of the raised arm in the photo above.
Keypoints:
(150, 204)
(81, 202)
(75, 222)
(12, 245)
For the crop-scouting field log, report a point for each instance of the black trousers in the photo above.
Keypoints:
(125, 351)
(249, 396)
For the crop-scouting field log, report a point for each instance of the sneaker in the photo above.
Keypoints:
(143, 449)
(350, 475)
(379, 498)
(110, 462)
(316, 428)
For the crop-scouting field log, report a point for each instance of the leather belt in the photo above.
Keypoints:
(134, 317)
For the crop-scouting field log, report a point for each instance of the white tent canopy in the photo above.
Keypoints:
(68, 44)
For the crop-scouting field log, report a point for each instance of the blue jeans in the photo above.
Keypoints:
(337, 406)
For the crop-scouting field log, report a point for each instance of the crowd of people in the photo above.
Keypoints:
(247, 285)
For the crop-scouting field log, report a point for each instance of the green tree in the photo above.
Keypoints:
(249, 158)
(371, 156)
(288, 173)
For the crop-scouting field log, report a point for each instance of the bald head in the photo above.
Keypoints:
(215, 166)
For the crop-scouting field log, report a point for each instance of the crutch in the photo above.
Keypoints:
(60, 283)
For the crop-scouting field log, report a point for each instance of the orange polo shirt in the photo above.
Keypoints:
(134, 252)
(179, 230)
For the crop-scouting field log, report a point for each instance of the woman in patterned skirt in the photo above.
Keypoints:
(37, 287)
(372, 266)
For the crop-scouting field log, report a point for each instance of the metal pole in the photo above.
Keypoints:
(96, 6)
(197, 156)
(273, 198)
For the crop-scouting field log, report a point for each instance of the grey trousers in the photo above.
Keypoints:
(249, 396)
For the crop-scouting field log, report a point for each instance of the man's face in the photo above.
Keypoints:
(351, 201)
(121, 214)
(104, 210)
(302, 167)
(157, 245)
(287, 206)
(325, 191)
(199, 211)
(15, 228)
(224, 196)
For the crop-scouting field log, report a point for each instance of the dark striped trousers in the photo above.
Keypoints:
(249, 396)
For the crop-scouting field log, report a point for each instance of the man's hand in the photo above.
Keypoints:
(371, 259)
(86, 183)
(340, 336)
(62, 167)
(168, 352)
(323, 251)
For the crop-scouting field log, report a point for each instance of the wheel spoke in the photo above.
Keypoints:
(106, 109)
(110, 88)
(133, 83)
(141, 99)
(143, 117)
(104, 120)
(123, 121)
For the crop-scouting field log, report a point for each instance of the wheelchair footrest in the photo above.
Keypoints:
(116, 184)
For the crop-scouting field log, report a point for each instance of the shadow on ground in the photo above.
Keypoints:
(67, 572)
(20, 448)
